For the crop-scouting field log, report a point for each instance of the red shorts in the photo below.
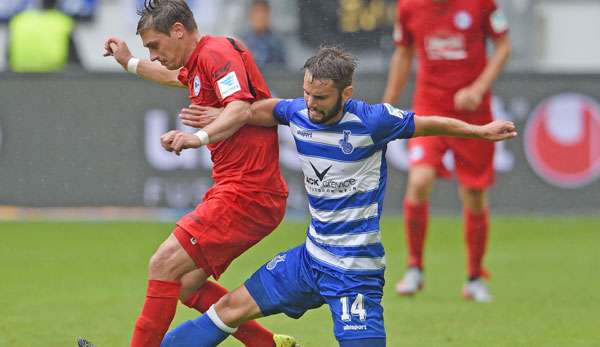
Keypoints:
(473, 158)
(226, 224)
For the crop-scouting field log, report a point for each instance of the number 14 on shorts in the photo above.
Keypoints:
(356, 309)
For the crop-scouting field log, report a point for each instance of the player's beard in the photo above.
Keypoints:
(330, 114)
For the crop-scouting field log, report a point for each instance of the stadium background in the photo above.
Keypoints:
(80, 145)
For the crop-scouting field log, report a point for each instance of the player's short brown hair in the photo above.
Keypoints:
(160, 15)
(332, 63)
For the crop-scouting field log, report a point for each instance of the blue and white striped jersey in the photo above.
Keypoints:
(345, 175)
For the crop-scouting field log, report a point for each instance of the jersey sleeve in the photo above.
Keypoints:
(388, 123)
(402, 37)
(285, 109)
(495, 23)
(226, 72)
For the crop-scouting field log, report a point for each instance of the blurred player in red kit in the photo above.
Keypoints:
(454, 77)
(248, 198)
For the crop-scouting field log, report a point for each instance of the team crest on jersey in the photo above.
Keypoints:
(345, 145)
(197, 85)
(463, 20)
(278, 259)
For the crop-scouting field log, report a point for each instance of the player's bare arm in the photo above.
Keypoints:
(470, 97)
(435, 125)
(399, 71)
(235, 115)
(200, 116)
(146, 69)
(262, 113)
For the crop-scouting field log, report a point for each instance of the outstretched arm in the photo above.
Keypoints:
(197, 116)
(435, 125)
(233, 117)
(146, 69)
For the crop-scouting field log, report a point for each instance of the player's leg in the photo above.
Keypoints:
(200, 295)
(475, 172)
(355, 309)
(425, 156)
(229, 223)
(276, 287)
(165, 269)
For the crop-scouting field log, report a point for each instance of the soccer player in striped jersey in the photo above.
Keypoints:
(341, 143)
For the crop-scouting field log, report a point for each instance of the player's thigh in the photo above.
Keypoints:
(474, 162)
(425, 156)
(284, 285)
(356, 310)
(170, 261)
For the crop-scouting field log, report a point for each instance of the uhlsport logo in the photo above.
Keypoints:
(562, 140)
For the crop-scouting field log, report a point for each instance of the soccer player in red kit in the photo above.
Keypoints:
(454, 77)
(248, 198)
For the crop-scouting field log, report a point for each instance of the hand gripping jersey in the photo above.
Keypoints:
(450, 41)
(345, 173)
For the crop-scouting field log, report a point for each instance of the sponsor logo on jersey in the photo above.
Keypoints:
(319, 184)
(228, 85)
(463, 20)
(562, 140)
(345, 145)
(197, 85)
(320, 174)
(355, 327)
(446, 47)
(273, 263)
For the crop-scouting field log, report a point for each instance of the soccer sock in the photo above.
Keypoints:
(415, 230)
(206, 331)
(476, 234)
(251, 334)
(157, 314)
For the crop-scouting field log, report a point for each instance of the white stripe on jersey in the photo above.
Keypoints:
(350, 240)
(346, 214)
(350, 117)
(342, 179)
(346, 263)
(328, 138)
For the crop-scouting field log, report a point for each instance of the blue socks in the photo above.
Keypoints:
(206, 331)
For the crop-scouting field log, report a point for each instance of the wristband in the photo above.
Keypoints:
(203, 136)
(132, 65)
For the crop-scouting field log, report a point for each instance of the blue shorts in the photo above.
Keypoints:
(293, 283)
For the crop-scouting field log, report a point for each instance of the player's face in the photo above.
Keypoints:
(323, 100)
(166, 49)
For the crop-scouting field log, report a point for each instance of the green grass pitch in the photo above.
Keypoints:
(60, 280)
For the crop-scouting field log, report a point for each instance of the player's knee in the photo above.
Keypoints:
(473, 199)
(418, 189)
(232, 309)
(162, 267)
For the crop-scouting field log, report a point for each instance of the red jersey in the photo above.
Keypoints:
(216, 75)
(450, 42)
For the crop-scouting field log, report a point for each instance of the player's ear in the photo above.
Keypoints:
(177, 30)
(347, 92)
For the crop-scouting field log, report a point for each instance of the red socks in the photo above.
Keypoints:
(415, 230)
(476, 234)
(251, 334)
(157, 314)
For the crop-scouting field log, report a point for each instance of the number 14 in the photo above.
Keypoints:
(357, 308)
